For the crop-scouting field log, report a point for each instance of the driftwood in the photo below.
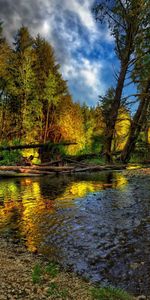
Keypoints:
(36, 170)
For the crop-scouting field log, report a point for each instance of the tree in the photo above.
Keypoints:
(52, 98)
(22, 85)
(71, 124)
(89, 122)
(50, 86)
(141, 76)
(5, 56)
(137, 123)
(125, 19)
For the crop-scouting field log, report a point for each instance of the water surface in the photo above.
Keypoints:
(97, 225)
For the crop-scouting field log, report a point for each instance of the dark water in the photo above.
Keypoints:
(97, 225)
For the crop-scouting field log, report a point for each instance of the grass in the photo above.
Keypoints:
(59, 289)
(52, 269)
(110, 293)
(36, 274)
(56, 292)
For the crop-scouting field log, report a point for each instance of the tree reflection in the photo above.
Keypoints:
(29, 207)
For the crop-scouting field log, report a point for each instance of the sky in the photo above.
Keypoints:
(83, 47)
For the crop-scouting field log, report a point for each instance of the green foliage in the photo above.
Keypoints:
(10, 157)
(36, 274)
(52, 269)
(110, 293)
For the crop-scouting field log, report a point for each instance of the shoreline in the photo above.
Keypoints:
(17, 267)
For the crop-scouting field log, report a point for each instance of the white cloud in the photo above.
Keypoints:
(87, 77)
(78, 40)
(84, 12)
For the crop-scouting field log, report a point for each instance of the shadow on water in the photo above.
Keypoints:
(97, 224)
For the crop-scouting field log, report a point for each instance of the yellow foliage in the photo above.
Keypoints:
(149, 135)
(121, 129)
(71, 126)
(33, 152)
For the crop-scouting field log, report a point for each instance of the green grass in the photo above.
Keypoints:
(110, 293)
(56, 292)
(36, 274)
(52, 269)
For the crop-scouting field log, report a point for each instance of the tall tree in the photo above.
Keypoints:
(22, 86)
(5, 56)
(141, 76)
(124, 19)
(50, 85)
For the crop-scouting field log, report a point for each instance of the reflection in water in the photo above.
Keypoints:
(26, 203)
(96, 224)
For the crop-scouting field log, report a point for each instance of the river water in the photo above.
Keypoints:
(97, 225)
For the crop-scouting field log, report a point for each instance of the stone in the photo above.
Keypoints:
(141, 297)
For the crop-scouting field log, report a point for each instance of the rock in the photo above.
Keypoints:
(141, 297)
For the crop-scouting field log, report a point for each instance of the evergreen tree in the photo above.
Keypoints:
(50, 86)
(22, 85)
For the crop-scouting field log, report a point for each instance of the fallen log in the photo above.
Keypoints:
(27, 171)
(82, 156)
(34, 170)
(51, 163)
(34, 167)
(100, 168)
(62, 161)
(30, 146)
(15, 174)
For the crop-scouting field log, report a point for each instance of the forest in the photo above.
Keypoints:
(37, 107)
(75, 178)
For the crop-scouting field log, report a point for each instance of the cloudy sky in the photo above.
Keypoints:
(83, 47)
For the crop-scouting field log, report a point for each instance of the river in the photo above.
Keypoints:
(97, 225)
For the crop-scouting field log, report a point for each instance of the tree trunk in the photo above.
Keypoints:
(136, 126)
(46, 125)
(114, 111)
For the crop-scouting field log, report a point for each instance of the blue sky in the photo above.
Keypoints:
(83, 47)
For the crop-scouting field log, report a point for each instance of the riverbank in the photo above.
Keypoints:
(137, 172)
(24, 275)
(28, 276)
